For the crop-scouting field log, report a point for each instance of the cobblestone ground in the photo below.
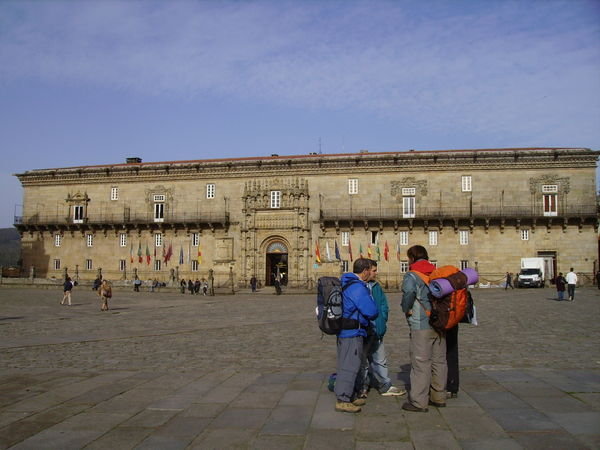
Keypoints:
(166, 370)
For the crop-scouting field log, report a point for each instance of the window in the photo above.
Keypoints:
(158, 240)
(433, 238)
(160, 198)
(57, 240)
(463, 237)
(210, 190)
(114, 193)
(122, 265)
(549, 188)
(404, 238)
(408, 207)
(345, 266)
(275, 199)
(524, 235)
(550, 201)
(159, 212)
(78, 214)
(88, 264)
(403, 266)
(123, 239)
(157, 264)
(345, 238)
(353, 186)
(464, 264)
(466, 183)
(374, 237)
(89, 239)
(195, 239)
(194, 265)
(57, 264)
(409, 191)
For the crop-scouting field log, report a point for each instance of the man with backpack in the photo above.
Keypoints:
(429, 369)
(374, 370)
(358, 308)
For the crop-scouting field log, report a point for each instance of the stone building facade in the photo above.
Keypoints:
(301, 217)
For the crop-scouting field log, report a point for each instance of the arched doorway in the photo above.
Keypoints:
(276, 263)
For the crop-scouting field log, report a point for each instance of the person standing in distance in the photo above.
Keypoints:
(571, 283)
(358, 309)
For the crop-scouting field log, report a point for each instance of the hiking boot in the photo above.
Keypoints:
(412, 408)
(436, 404)
(393, 391)
(359, 401)
(346, 407)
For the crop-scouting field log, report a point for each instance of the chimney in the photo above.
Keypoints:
(133, 160)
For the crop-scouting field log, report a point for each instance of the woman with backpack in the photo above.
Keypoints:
(67, 287)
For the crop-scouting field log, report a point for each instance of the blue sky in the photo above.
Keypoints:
(93, 82)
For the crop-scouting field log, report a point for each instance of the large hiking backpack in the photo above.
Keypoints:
(330, 306)
(447, 310)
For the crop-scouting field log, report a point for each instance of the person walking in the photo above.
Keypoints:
(253, 283)
(508, 281)
(374, 369)
(560, 286)
(429, 369)
(204, 286)
(191, 286)
(67, 287)
(105, 292)
(571, 284)
(182, 285)
(358, 308)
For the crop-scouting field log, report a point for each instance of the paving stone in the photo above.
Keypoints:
(119, 438)
(53, 439)
(269, 442)
(222, 395)
(92, 421)
(251, 418)
(288, 420)
(558, 440)
(471, 424)
(590, 399)
(438, 439)
(256, 400)
(563, 404)
(223, 438)
(299, 398)
(380, 428)
(510, 376)
(536, 388)
(522, 420)
(329, 439)
(186, 428)
(204, 410)
(578, 422)
(429, 421)
(392, 445)
(149, 418)
(326, 417)
(161, 442)
(490, 444)
(498, 400)
(7, 418)
(19, 431)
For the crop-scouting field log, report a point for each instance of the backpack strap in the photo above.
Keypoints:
(425, 280)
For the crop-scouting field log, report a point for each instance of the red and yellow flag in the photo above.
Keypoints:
(318, 253)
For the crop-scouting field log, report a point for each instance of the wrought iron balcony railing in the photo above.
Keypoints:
(435, 213)
(122, 219)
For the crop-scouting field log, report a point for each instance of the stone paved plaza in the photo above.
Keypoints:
(172, 371)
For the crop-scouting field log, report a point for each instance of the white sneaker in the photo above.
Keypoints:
(393, 391)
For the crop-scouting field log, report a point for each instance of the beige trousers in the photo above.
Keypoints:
(429, 370)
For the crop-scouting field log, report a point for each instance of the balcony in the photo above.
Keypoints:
(58, 222)
(455, 216)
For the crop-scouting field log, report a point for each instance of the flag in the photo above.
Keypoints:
(327, 252)
(337, 252)
(369, 252)
(169, 253)
(180, 255)
(378, 253)
(131, 253)
(199, 254)
(350, 250)
(318, 253)
(140, 259)
(360, 250)
(155, 253)
(386, 251)
(147, 254)
(398, 250)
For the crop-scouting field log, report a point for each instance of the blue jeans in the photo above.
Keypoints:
(561, 295)
(375, 370)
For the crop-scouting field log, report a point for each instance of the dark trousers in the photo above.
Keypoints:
(452, 359)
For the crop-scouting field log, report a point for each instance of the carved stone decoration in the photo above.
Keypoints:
(563, 183)
(159, 190)
(294, 193)
(409, 182)
(77, 198)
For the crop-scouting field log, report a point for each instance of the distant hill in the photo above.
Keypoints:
(10, 247)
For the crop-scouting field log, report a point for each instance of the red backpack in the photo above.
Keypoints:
(448, 310)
